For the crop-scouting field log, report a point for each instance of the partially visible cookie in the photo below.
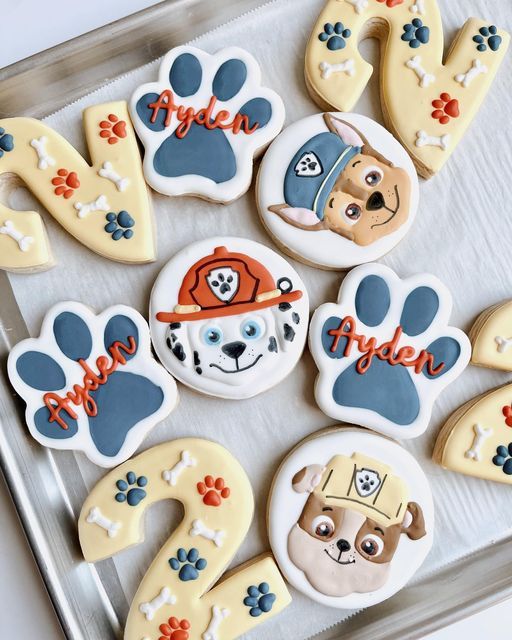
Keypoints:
(491, 337)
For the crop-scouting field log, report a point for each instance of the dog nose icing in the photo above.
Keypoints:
(234, 349)
(375, 201)
(343, 545)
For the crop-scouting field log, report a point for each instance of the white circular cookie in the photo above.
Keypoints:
(336, 190)
(229, 317)
(351, 518)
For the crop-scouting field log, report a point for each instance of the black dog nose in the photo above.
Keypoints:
(234, 349)
(375, 201)
(343, 545)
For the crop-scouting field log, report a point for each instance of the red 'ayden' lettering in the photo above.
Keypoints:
(80, 395)
(204, 117)
(388, 351)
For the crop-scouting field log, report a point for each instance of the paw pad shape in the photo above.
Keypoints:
(507, 412)
(385, 351)
(175, 629)
(6, 142)
(119, 225)
(188, 563)
(391, 3)
(259, 599)
(446, 108)
(488, 37)
(112, 129)
(130, 490)
(335, 36)
(203, 121)
(213, 490)
(503, 458)
(416, 33)
(65, 183)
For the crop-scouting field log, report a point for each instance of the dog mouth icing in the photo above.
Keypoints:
(238, 369)
(338, 561)
(393, 212)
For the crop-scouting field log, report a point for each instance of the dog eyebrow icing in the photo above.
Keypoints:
(327, 509)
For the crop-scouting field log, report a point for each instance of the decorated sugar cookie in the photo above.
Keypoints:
(336, 190)
(174, 600)
(105, 206)
(229, 317)
(203, 122)
(491, 337)
(385, 351)
(350, 518)
(91, 383)
(428, 102)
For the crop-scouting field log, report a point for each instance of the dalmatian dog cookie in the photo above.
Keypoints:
(337, 190)
(175, 600)
(385, 351)
(91, 383)
(350, 518)
(229, 317)
(203, 122)
(429, 99)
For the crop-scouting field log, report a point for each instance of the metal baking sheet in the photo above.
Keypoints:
(49, 487)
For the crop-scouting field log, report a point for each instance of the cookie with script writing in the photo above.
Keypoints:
(91, 383)
(385, 351)
(203, 122)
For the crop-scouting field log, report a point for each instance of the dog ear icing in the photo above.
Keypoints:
(299, 217)
(349, 134)
(416, 529)
(308, 478)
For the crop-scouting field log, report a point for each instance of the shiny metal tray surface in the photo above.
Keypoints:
(90, 602)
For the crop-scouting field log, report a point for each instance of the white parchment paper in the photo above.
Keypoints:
(461, 234)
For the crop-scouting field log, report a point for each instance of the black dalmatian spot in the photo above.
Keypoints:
(295, 317)
(272, 344)
(199, 371)
(284, 306)
(174, 325)
(197, 361)
(178, 351)
(289, 332)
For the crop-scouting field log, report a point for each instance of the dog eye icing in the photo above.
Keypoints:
(322, 527)
(251, 330)
(353, 212)
(212, 336)
(372, 176)
(371, 546)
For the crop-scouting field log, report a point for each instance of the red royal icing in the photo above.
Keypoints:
(213, 491)
(91, 381)
(446, 107)
(204, 117)
(112, 129)
(406, 356)
(507, 412)
(65, 183)
(391, 3)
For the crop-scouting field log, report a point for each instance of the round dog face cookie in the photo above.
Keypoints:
(91, 383)
(385, 351)
(336, 190)
(229, 317)
(203, 121)
(350, 518)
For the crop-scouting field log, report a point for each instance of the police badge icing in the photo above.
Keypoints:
(336, 190)
(350, 518)
(229, 317)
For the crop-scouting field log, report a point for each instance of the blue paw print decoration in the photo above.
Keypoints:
(188, 564)
(131, 490)
(119, 225)
(488, 37)
(416, 33)
(385, 351)
(203, 121)
(503, 458)
(335, 36)
(6, 142)
(259, 599)
(90, 381)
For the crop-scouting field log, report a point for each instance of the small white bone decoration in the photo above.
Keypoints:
(45, 160)
(425, 78)
(424, 140)
(359, 5)
(8, 229)
(481, 435)
(465, 79)
(171, 475)
(100, 204)
(418, 8)
(328, 69)
(96, 517)
(504, 344)
(150, 608)
(218, 616)
(200, 529)
(107, 171)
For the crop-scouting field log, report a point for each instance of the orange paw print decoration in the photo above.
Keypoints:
(213, 490)
(175, 629)
(112, 129)
(65, 183)
(446, 108)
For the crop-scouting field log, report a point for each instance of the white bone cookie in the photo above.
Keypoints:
(105, 206)
(174, 594)
(366, 527)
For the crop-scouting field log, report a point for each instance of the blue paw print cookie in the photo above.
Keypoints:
(488, 37)
(416, 33)
(6, 142)
(188, 564)
(335, 36)
(131, 490)
(259, 599)
(503, 458)
(385, 351)
(203, 121)
(90, 382)
(119, 225)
